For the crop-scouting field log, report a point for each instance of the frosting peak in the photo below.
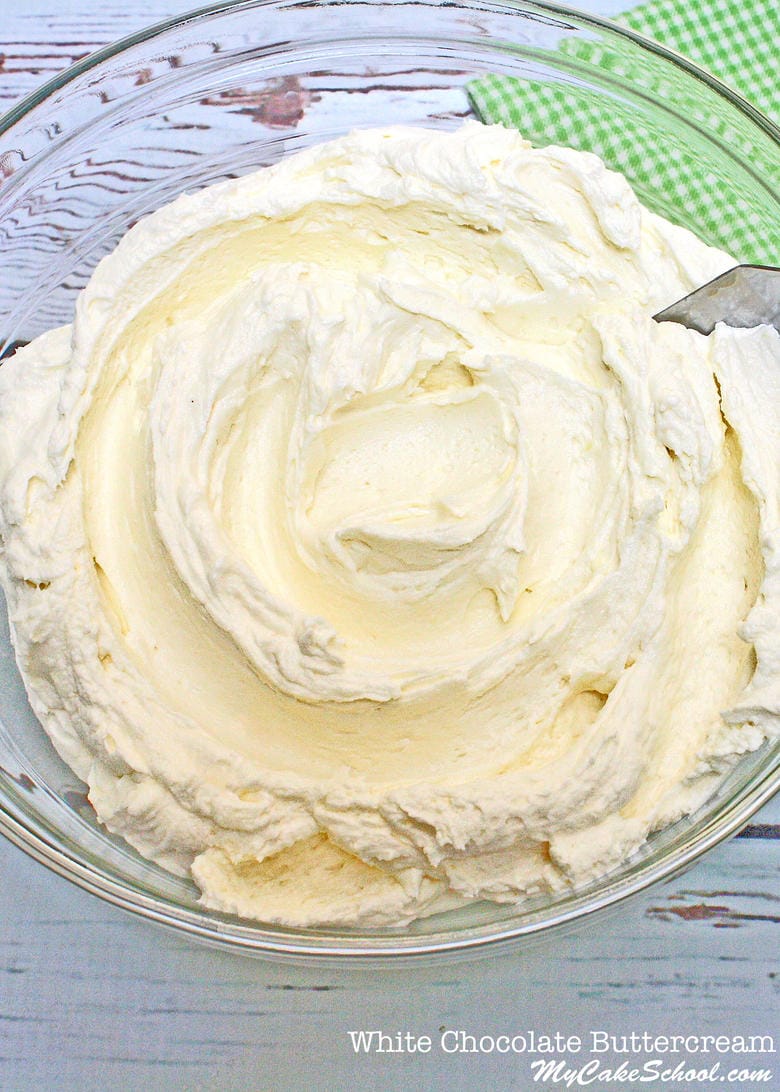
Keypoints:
(401, 558)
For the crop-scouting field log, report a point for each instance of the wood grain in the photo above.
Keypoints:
(120, 1002)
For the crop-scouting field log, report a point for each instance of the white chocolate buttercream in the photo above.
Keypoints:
(368, 547)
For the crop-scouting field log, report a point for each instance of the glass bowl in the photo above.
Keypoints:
(234, 86)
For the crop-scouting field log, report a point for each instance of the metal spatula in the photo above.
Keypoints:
(748, 295)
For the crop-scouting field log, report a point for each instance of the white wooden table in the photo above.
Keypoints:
(92, 999)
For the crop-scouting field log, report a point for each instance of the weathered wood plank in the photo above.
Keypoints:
(37, 41)
(117, 998)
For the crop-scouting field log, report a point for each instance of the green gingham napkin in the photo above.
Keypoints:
(737, 40)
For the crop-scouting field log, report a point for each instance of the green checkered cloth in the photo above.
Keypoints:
(736, 40)
(672, 167)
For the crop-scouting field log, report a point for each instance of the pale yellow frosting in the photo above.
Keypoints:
(369, 548)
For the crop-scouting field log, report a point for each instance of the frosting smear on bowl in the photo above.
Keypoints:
(368, 547)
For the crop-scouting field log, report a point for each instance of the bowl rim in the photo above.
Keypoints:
(303, 945)
(35, 98)
(251, 938)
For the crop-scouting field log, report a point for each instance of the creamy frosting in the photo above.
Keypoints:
(368, 547)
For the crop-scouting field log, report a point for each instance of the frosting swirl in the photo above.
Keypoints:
(370, 549)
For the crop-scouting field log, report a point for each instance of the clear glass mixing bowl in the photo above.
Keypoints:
(235, 86)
